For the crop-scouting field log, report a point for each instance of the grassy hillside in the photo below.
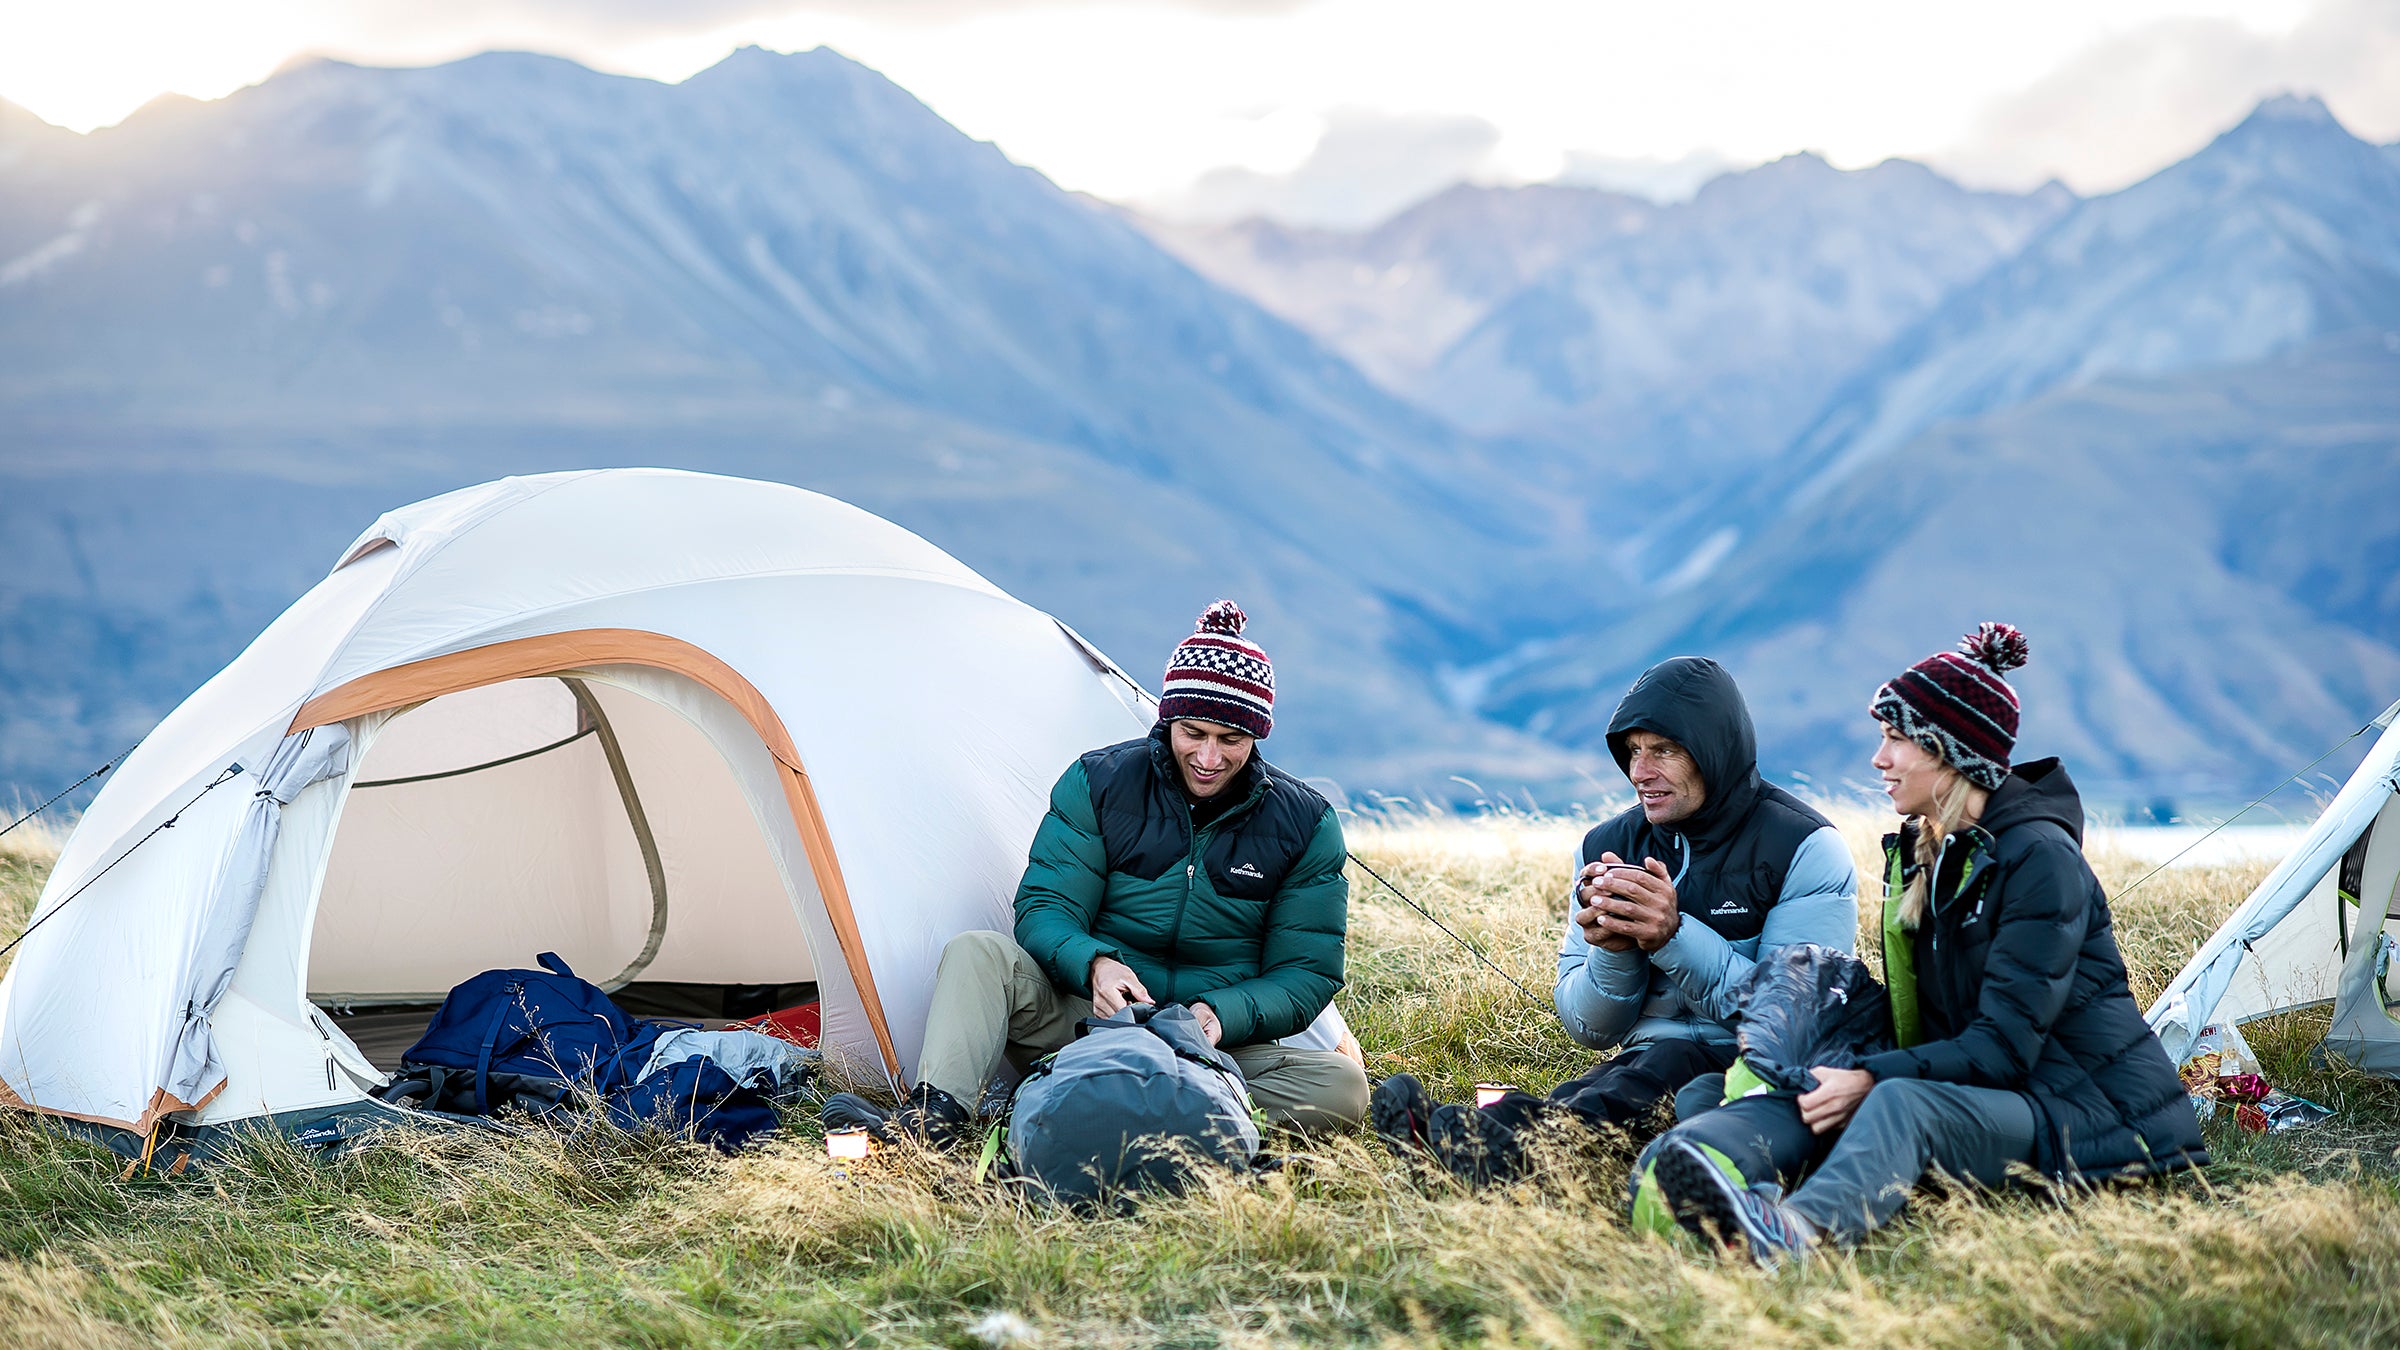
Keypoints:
(604, 1239)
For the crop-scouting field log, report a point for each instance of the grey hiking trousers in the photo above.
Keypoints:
(993, 1003)
(1905, 1129)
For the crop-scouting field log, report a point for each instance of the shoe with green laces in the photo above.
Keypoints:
(1701, 1194)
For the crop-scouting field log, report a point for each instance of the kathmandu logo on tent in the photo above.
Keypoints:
(1246, 870)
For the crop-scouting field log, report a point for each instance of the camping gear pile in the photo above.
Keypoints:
(1136, 1102)
(2222, 1072)
(546, 1043)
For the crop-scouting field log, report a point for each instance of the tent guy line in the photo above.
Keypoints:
(2380, 722)
(1472, 950)
(231, 771)
(62, 793)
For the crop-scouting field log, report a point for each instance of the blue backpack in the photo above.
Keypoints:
(545, 1024)
(1138, 1101)
(535, 1039)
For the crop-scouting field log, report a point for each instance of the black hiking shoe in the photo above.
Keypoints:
(926, 1116)
(1702, 1197)
(1402, 1114)
(1475, 1146)
(847, 1111)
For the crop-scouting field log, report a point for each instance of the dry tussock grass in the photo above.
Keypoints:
(26, 854)
(1346, 1246)
(546, 1238)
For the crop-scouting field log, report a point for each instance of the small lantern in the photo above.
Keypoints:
(849, 1144)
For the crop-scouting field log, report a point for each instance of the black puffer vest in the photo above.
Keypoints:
(1728, 859)
(1146, 821)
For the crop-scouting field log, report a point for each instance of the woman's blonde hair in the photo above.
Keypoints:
(1951, 803)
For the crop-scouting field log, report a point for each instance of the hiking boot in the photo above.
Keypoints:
(934, 1117)
(926, 1116)
(1702, 1197)
(1402, 1114)
(998, 1096)
(1475, 1146)
(846, 1111)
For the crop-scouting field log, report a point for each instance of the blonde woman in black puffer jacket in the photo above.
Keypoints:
(2019, 1042)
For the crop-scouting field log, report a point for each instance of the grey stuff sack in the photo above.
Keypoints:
(1136, 1102)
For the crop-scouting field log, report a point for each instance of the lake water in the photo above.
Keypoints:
(2151, 843)
(2234, 843)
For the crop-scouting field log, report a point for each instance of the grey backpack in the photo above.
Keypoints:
(1135, 1102)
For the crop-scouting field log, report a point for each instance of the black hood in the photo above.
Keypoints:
(1691, 701)
(2031, 792)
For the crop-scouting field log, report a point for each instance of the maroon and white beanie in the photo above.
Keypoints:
(1955, 704)
(1218, 676)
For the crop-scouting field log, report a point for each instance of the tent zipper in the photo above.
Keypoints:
(317, 1020)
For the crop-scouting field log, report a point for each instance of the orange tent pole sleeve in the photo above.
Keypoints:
(549, 654)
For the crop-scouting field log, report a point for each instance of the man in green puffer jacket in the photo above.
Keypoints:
(1177, 868)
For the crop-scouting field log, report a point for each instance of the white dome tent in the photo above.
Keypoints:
(2318, 930)
(675, 727)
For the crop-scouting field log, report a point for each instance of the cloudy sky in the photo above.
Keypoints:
(1339, 111)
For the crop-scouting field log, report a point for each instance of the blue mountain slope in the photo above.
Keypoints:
(264, 319)
(2204, 563)
(2284, 230)
(1628, 350)
(2160, 438)
(1790, 272)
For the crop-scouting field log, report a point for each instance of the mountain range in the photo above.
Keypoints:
(347, 287)
(2164, 437)
(1665, 349)
(1469, 470)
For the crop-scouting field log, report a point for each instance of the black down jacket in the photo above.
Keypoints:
(2020, 986)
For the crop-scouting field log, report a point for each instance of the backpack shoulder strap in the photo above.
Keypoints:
(483, 1057)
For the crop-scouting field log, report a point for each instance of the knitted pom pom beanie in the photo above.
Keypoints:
(1955, 704)
(1216, 675)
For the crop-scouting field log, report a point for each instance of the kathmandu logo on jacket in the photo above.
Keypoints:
(1728, 907)
(1246, 870)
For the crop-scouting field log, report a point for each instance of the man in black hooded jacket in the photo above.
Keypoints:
(1673, 901)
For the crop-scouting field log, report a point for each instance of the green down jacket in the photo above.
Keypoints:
(1246, 914)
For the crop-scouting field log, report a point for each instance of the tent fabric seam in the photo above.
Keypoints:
(161, 1103)
(406, 565)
